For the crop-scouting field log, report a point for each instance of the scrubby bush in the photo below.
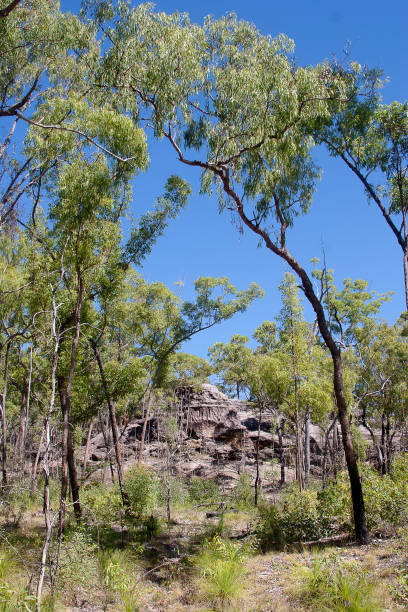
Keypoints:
(204, 491)
(13, 596)
(386, 497)
(104, 505)
(15, 502)
(141, 487)
(243, 494)
(296, 518)
(78, 568)
(313, 514)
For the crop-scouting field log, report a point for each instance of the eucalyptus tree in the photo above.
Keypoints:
(162, 324)
(230, 362)
(382, 390)
(372, 140)
(232, 103)
(43, 57)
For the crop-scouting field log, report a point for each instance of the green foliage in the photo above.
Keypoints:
(296, 517)
(385, 497)
(243, 495)
(204, 490)
(179, 493)
(141, 486)
(221, 565)
(15, 502)
(78, 568)
(153, 224)
(102, 504)
(230, 361)
(335, 585)
(400, 590)
(117, 573)
(14, 597)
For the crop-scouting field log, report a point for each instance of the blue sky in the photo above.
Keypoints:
(356, 242)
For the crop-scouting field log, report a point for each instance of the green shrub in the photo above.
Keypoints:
(15, 503)
(102, 504)
(117, 573)
(78, 569)
(204, 491)
(295, 518)
(386, 498)
(13, 596)
(243, 494)
(141, 486)
(335, 585)
(179, 495)
(221, 565)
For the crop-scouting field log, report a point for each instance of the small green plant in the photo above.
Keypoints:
(12, 598)
(399, 591)
(222, 569)
(78, 563)
(117, 575)
(102, 504)
(296, 518)
(333, 584)
(15, 503)
(204, 491)
(243, 494)
(141, 486)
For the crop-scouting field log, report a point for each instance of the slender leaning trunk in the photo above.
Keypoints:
(87, 446)
(113, 422)
(46, 434)
(4, 420)
(360, 521)
(257, 454)
(279, 430)
(307, 446)
(68, 459)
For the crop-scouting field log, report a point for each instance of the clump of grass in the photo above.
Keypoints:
(331, 584)
(222, 570)
(117, 573)
(13, 596)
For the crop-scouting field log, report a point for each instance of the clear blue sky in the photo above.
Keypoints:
(356, 241)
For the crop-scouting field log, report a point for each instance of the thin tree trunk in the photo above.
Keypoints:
(388, 444)
(4, 420)
(113, 423)
(107, 446)
(257, 453)
(68, 461)
(20, 444)
(325, 449)
(360, 521)
(279, 430)
(33, 485)
(377, 445)
(87, 447)
(307, 446)
(146, 418)
(49, 523)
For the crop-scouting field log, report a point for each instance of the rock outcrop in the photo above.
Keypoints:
(219, 440)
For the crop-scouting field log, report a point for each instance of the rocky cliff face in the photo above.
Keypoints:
(218, 437)
(219, 440)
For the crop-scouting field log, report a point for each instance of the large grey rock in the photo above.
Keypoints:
(212, 415)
